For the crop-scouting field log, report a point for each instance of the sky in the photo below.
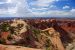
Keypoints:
(37, 8)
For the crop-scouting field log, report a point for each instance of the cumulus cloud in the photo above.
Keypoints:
(38, 8)
(66, 7)
(57, 13)
(9, 1)
(20, 8)
(7, 8)
(73, 10)
(42, 3)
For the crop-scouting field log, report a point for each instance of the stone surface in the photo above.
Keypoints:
(71, 46)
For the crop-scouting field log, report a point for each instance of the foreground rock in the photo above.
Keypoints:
(71, 46)
(11, 47)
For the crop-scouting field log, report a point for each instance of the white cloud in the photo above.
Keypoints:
(73, 10)
(46, 1)
(10, 10)
(38, 9)
(3, 11)
(66, 7)
(9, 1)
(52, 6)
(43, 8)
(42, 3)
(22, 9)
(1, 2)
(56, 13)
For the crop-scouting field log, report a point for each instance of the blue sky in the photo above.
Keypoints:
(37, 8)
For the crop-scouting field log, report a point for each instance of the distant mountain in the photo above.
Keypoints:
(9, 18)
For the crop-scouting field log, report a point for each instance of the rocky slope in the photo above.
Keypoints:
(19, 33)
